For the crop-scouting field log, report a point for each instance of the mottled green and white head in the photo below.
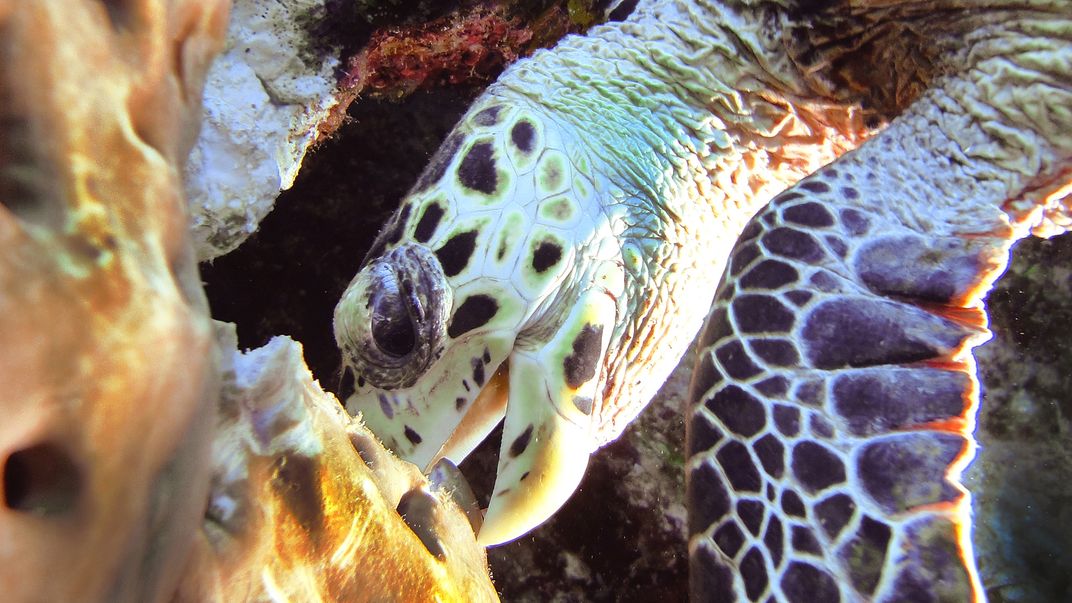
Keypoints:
(492, 282)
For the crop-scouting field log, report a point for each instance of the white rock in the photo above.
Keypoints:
(264, 99)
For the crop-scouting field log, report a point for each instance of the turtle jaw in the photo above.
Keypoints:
(531, 488)
(543, 456)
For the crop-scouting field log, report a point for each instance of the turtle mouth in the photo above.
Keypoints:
(392, 317)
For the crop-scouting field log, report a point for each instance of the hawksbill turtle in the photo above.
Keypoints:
(832, 186)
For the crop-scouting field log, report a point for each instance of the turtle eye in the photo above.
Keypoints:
(392, 328)
(392, 317)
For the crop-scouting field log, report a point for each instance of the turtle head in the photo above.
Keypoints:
(484, 300)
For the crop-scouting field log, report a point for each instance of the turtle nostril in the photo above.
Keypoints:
(41, 479)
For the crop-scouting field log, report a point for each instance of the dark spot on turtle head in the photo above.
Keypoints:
(771, 455)
(777, 352)
(773, 387)
(523, 135)
(739, 411)
(854, 221)
(785, 197)
(426, 226)
(296, 478)
(473, 313)
(385, 406)
(459, 403)
(437, 167)
(487, 356)
(523, 476)
(580, 366)
(735, 361)
(477, 170)
(742, 257)
(454, 255)
(478, 371)
(411, 435)
(489, 116)
(769, 274)
(774, 538)
(812, 392)
(521, 443)
(759, 313)
(583, 404)
(546, 255)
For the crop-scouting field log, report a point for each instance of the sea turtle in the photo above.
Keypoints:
(565, 243)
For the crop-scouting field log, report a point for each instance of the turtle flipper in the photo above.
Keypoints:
(834, 398)
(834, 404)
(547, 435)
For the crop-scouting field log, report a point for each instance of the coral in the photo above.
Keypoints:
(142, 458)
(462, 47)
(108, 360)
(303, 501)
(265, 98)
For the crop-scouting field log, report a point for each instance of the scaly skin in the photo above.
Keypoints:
(596, 252)
(836, 393)
(673, 128)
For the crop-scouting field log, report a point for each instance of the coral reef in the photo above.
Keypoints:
(265, 98)
(109, 363)
(142, 458)
(303, 499)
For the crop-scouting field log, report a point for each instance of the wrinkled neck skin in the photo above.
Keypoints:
(693, 136)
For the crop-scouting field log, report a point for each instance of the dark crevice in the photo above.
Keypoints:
(42, 479)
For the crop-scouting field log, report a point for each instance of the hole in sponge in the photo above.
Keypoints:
(41, 479)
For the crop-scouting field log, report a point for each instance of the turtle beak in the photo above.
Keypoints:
(542, 459)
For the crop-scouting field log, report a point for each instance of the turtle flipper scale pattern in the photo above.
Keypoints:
(834, 409)
(835, 394)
